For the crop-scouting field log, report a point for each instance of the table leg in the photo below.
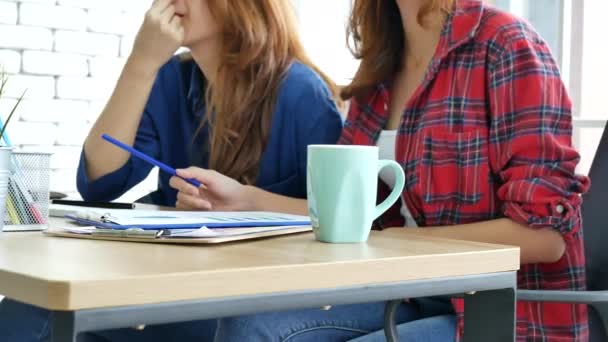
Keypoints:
(63, 327)
(390, 326)
(490, 316)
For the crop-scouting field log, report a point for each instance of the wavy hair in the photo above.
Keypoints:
(260, 42)
(375, 36)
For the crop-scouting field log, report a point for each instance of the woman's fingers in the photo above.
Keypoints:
(207, 177)
(181, 185)
(167, 15)
(158, 6)
(192, 202)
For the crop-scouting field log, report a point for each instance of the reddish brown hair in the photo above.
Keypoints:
(260, 42)
(375, 37)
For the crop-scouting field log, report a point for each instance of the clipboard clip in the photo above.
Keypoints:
(92, 215)
(107, 218)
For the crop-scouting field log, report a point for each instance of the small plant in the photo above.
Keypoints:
(3, 81)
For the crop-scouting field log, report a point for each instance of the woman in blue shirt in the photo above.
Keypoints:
(246, 102)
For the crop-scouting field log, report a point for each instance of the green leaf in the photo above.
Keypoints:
(11, 114)
(3, 81)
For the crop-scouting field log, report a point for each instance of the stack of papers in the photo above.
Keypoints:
(203, 232)
(179, 226)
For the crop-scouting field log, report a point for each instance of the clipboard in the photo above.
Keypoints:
(53, 232)
(153, 219)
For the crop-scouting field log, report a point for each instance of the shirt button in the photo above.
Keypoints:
(559, 209)
(385, 107)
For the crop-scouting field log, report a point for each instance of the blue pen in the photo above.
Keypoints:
(149, 159)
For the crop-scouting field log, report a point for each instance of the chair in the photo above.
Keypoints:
(595, 229)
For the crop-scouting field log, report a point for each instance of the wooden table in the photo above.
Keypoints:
(98, 285)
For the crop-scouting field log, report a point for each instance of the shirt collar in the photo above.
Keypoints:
(461, 26)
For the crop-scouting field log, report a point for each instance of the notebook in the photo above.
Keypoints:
(153, 219)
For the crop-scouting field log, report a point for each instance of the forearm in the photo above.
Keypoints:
(536, 245)
(260, 200)
(120, 119)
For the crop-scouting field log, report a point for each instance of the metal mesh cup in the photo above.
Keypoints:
(5, 171)
(27, 200)
(4, 175)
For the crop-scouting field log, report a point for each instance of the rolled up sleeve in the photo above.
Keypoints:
(531, 139)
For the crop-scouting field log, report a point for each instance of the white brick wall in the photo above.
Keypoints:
(126, 44)
(68, 55)
(25, 37)
(52, 63)
(64, 178)
(38, 87)
(87, 43)
(87, 88)
(72, 133)
(33, 133)
(5, 109)
(100, 66)
(53, 16)
(49, 2)
(55, 111)
(8, 12)
(65, 157)
(124, 22)
(10, 61)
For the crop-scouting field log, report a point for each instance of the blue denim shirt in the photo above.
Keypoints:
(304, 114)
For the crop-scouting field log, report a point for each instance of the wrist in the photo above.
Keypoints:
(141, 67)
(252, 198)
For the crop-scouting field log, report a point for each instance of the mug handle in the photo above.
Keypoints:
(397, 190)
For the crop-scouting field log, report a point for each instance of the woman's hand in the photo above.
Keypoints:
(160, 35)
(218, 192)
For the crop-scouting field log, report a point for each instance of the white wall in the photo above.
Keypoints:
(68, 54)
(323, 33)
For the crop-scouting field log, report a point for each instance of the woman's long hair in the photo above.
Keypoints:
(260, 42)
(375, 36)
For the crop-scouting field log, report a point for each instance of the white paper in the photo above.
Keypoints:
(79, 230)
(205, 232)
(132, 217)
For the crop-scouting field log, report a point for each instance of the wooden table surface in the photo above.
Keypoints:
(70, 274)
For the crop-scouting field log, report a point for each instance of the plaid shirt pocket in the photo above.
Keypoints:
(445, 154)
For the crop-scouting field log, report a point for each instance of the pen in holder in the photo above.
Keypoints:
(27, 200)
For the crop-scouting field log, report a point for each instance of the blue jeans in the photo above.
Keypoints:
(25, 323)
(425, 320)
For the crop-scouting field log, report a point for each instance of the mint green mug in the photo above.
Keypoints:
(342, 186)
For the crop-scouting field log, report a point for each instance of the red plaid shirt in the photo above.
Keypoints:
(488, 135)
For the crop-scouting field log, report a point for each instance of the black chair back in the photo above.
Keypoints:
(595, 230)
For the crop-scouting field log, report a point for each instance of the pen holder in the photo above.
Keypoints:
(27, 200)
(5, 172)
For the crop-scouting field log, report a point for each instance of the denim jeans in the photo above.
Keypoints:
(25, 323)
(424, 320)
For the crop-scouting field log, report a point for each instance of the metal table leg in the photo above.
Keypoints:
(63, 328)
(490, 316)
(390, 326)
